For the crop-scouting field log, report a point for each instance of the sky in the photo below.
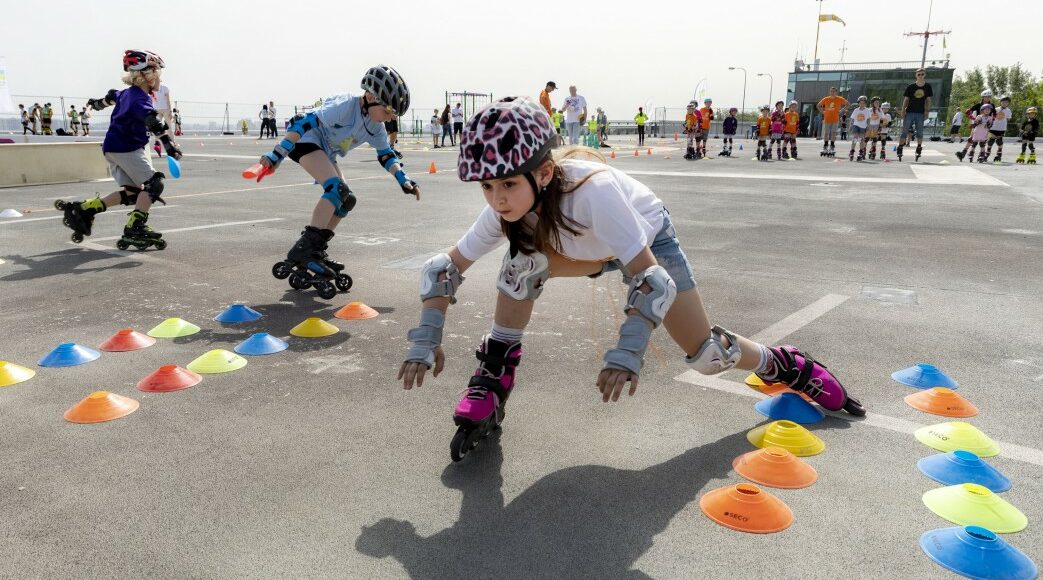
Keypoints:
(621, 55)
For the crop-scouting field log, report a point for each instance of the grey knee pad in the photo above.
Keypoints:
(432, 287)
(522, 277)
(713, 357)
(654, 305)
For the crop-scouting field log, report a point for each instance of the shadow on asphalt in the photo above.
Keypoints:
(63, 262)
(591, 521)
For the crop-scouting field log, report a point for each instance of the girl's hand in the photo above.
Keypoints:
(410, 371)
(611, 383)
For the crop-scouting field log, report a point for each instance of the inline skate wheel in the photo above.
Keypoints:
(122, 244)
(298, 282)
(77, 237)
(161, 244)
(853, 407)
(343, 282)
(461, 444)
(59, 205)
(281, 270)
(326, 290)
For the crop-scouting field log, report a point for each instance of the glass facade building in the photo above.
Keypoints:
(884, 80)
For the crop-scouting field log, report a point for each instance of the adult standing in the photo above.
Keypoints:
(46, 114)
(602, 127)
(831, 107)
(162, 102)
(640, 118)
(34, 117)
(273, 124)
(545, 96)
(916, 103)
(575, 108)
(458, 121)
(447, 128)
(263, 116)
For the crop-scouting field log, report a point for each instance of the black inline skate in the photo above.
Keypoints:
(982, 158)
(919, 151)
(960, 155)
(305, 266)
(998, 158)
(79, 215)
(898, 153)
(137, 233)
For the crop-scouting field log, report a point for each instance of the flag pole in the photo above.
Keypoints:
(818, 26)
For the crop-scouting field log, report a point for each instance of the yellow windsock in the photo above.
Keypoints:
(831, 18)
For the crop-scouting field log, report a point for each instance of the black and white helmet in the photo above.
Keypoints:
(384, 83)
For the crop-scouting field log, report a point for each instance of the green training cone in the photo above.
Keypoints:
(789, 436)
(218, 360)
(173, 328)
(970, 504)
(956, 435)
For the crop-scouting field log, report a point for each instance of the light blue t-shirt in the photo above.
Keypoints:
(343, 127)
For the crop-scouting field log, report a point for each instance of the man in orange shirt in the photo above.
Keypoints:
(789, 132)
(545, 96)
(707, 113)
(831, 108)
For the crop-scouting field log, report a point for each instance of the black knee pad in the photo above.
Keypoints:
(154, 187)
(129, 195)
(347, 198)
(999, 140)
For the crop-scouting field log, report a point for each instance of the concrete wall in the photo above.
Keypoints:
(43, 163)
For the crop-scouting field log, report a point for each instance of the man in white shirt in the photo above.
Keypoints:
(458, 121)
(957, 123)
(575, 107)
(273, 123)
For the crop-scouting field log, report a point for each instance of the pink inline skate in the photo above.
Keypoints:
(806, 375)
(481, 410)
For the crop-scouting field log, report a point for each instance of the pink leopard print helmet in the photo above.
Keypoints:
(509, 137)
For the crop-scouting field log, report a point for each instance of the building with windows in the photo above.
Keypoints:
(887, 80)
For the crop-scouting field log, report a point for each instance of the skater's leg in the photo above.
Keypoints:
(319, 166)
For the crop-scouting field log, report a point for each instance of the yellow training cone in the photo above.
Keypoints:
(173, 328)
(956, 435)
(218, 360)
(12, 374)
(314, 327)
(970, 504)
(789, 436)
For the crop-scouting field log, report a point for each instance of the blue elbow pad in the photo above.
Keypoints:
(301, 124)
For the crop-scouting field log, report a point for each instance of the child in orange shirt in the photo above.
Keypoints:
(707, 116)
(789, 135)
(692, 126)
(763, 130)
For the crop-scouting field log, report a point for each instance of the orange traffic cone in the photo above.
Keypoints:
(355, 311)
(432, 168)
(613, 155)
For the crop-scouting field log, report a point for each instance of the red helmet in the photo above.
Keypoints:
(141, 60)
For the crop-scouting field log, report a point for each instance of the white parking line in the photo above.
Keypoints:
(802, 318)
(204, 227)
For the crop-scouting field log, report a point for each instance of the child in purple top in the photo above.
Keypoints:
(731, 125)
(133, 118)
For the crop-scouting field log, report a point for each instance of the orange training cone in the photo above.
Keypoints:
(101, 406)
(169, 378)
(771, 389)
(431, 168)
(775, 467)
(941, 401)
(747, 508)
(356, 311)
(636, 153)
(127, 339)
(675, 136)
(649, 150)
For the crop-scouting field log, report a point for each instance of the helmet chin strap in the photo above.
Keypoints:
(536, 190)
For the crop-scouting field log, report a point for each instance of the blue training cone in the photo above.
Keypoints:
(237, 313)
(976, 552)
(69, 354)
(963, 467)
(174, 166)
(740, 146)
(789, 407)
(924, 376)
(261, 343)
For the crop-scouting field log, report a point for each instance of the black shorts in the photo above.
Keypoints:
(996, 133)
(954, 129)
(303, 149)
(391, 126)
(458, 127)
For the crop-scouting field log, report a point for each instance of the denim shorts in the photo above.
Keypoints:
(669, 255)
(913, 122)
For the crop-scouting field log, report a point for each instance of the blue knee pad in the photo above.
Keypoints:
(337, 193)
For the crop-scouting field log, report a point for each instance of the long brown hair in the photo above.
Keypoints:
(546, 235)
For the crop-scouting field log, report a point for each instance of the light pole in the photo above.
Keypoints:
(743, 86)
(771, 86)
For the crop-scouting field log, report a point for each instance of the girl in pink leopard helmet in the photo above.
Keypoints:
(569, 216)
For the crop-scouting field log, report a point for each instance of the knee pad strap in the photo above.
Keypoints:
(713, 356)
